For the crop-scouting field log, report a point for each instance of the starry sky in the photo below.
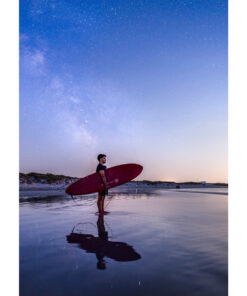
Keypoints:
(140, 81)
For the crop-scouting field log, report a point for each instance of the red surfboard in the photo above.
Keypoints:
(115, 176)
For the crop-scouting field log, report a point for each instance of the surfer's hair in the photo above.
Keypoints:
(100, 156)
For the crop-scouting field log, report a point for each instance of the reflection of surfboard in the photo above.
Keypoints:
(118, 251)
(115, 176)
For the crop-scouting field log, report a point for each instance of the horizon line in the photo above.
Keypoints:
(144, 180)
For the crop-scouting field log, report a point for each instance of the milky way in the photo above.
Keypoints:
(142, 81)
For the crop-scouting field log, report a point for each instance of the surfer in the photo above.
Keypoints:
(101, 170)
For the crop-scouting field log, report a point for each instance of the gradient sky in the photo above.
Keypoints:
(141, 81)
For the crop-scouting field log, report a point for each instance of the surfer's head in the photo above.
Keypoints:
(102, 158)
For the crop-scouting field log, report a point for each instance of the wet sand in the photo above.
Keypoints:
(155, 242)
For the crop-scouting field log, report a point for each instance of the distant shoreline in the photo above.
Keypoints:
(51, 179)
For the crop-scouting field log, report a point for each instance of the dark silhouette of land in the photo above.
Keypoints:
(48, 178)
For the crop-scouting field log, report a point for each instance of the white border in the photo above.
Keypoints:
(10, 142)
(237, 147)
(9, 108)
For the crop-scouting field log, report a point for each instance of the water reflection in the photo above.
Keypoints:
(54, 196)
(180, 237)
(102, 246)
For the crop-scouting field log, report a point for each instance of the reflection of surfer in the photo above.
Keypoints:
(101, 170)
(101, 246)
(103, 235)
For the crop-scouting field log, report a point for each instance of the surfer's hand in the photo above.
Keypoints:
(107, 186)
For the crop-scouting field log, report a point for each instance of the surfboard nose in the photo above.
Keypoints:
(140, 167)
(137, 169)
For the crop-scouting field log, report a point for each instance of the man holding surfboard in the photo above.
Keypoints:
(97, 182)
(101, 170)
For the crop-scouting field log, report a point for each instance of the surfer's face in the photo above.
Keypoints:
(103, 159)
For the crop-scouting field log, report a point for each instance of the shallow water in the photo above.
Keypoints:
(162, 242)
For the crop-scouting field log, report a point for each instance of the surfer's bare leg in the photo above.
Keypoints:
(103, 200)
(100, 202)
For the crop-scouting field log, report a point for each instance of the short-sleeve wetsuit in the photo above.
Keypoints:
(99, 168)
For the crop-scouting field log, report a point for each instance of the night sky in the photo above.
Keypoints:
(141, 81)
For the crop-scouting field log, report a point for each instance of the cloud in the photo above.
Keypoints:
(32, 61)
(74, 99)
(37, 59)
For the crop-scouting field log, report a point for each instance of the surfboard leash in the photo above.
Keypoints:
(94, 202)
(108, 203)
(91, 204)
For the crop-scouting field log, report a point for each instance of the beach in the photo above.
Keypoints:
(131, 94)
(154, 241)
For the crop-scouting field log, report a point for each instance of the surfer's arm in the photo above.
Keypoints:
(102, 174)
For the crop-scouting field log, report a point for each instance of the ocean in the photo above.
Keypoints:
(152, 242)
